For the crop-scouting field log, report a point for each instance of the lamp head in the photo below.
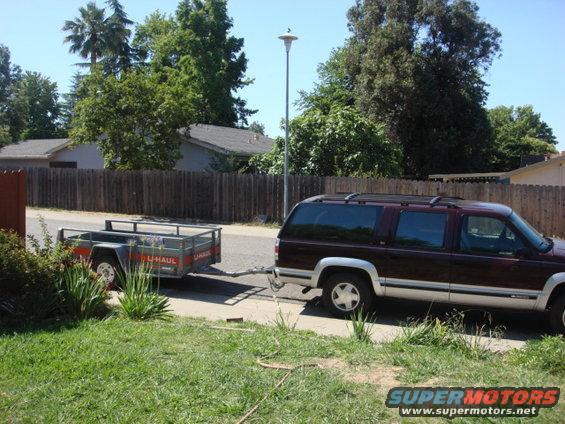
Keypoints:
(288, 38)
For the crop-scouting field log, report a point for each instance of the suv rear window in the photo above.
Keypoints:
(333, 222)
(421, 229)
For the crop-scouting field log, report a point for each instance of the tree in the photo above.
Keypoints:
(257, 128)
(416, 65)
(334, 86)
(340, 142)
(518, 131)
(88, 33)
(134, 118)
(119, 56)
(34, 108)
(70, 100)
(196, 41)
(10, 75)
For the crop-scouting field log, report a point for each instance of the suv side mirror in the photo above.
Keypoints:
(523, 253)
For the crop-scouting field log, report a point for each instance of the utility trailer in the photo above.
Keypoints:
(168, 250)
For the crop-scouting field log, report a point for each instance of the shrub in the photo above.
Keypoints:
(547, 354)
(138, 301)
(28, 279)
(82, 293)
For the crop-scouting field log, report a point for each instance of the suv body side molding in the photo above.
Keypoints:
(312, 278)
(550, 285)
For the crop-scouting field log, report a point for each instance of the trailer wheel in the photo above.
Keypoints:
(107, 267)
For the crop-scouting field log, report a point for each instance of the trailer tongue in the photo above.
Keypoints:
(167, 250)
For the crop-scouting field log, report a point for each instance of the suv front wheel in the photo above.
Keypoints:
(345, 293)
(557, 315)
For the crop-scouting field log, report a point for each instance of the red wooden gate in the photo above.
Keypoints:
(13, 201)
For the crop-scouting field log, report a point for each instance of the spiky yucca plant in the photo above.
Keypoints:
(138, 300)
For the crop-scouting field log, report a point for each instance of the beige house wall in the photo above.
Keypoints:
(550, 174)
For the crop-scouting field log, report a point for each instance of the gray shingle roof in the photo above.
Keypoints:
(221, 139)
(229, 140)
(33, 149)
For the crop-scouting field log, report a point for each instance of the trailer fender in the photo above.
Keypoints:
(119, 250)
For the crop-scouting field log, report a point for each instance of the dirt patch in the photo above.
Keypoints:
(384, 376)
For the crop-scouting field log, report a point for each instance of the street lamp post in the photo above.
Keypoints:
(288, 38)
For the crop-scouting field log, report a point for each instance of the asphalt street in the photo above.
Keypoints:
(244, 247)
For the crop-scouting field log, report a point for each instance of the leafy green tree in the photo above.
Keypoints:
(196, 41)
(10, 115)
(416, 66)
(257, 128)
(334, 86)
(34, 108)
(341, 142)
(88, 33)
(134, 118)
(518, 131)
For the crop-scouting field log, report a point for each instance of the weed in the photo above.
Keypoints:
(547, 354)
(282, 321)
(361, 326)
(448, 333)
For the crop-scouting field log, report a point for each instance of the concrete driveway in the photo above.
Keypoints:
(250, 297)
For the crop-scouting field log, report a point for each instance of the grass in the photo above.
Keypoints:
(184, 370)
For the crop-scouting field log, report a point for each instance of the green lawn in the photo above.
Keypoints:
(186, 371)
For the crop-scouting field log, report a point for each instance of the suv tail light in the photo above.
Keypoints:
(277, 242)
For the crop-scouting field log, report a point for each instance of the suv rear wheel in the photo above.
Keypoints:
(557, 315)
(345, 293)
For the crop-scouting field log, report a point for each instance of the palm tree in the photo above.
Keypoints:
(88, 33)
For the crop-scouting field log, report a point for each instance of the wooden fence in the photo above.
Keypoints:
(239, 198)
(13, 201)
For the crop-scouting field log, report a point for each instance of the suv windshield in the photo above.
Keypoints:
(542, 244)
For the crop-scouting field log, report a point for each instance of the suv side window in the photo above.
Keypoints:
(421, 229)
(333, 222)
(483, 234)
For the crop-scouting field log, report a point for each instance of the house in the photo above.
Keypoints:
(545, 171)
(200, 146)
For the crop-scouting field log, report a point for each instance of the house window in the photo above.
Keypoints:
(56, 164)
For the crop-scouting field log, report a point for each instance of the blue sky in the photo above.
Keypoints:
(530, 71)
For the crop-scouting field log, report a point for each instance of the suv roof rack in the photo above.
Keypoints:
(403, 199)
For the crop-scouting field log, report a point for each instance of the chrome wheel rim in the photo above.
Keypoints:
(563, 318)
(345, 297)
(106, 271)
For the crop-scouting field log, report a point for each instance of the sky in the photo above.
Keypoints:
(531, 69)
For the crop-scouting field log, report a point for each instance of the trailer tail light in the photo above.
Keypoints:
(277, 242)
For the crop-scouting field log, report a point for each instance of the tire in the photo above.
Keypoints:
(345, 293)
(557, 315)
(108, 267)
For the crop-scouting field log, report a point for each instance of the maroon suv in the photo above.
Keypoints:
(439, 249)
